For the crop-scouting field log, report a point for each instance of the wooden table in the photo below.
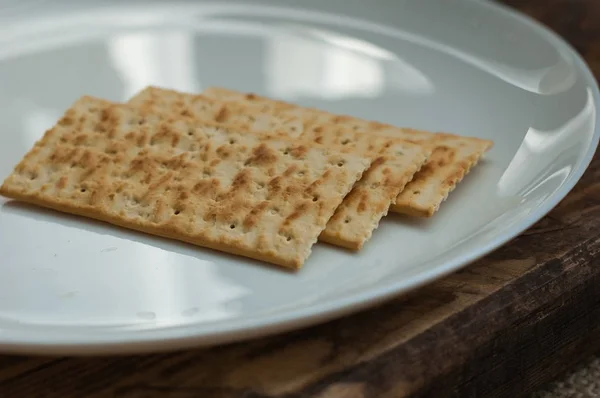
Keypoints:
(500, 328)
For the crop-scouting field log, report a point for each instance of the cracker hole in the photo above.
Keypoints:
(315, 198)
(82, 190)
(345, 142)
(287, 237)
(388, 144)
(347, 220)
(232, 226)
(232, 141)
(111, 196)
(274, 210)
(286, 152)
(399, 153)
(177, 212)
(416, 192)
(190, 132)
(341, 163)
(301, 173)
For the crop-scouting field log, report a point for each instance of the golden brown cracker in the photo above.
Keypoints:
(453, 155)
(394, 161)
(241, 193)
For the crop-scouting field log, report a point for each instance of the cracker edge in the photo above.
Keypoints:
(463, 168)
(357, 245)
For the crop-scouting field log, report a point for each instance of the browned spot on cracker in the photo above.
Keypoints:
(275, 185)
(253, 216)
(221, 115)
(290, 170)
(262, 155)
(296, 214)
(299, 151)
(364, 201)
(62, 182)
(241, 180)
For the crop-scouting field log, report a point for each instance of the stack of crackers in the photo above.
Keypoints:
(238, 172)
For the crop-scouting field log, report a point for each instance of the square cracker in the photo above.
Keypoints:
(452, 158)
(240, 193)
(394, 161)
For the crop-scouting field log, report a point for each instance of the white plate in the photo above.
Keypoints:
(69, 285)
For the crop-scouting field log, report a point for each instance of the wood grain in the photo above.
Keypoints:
(499, 328)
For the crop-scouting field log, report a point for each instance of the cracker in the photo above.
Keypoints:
(452, 158)
(267, 199)
(394, 161)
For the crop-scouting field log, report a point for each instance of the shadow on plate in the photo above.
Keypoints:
(104, 228)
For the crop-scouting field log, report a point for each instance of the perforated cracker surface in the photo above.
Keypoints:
(394, 161)
(201, 107)
(241, 193)
(453, 156)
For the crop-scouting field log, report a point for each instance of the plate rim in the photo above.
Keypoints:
(199, 335)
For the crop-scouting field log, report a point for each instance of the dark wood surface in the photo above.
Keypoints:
(502, 327)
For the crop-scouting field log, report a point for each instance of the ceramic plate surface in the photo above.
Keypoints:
(70, 285)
